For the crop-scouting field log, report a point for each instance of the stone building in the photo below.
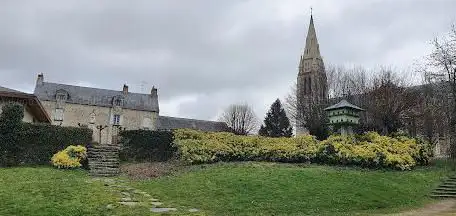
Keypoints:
(312, 90)
(70, 105)
(34, 111)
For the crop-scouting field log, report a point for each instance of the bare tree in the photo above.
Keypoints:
(342, 82)
(346, 82)
(390, 101)
(384, 92)
(291, 104)
(240, 118)
(440, 70)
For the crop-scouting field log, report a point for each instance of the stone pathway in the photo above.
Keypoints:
(132, 197)
(440, 208)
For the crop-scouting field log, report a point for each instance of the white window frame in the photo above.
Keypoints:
(61, 97)
(116, 119)
(58, 114)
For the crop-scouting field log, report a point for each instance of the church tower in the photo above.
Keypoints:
(312, 91)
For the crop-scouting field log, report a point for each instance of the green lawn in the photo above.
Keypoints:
(278, 189)
(224, 189)
(49, 191)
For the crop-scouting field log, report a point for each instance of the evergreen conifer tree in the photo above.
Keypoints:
(276, 122)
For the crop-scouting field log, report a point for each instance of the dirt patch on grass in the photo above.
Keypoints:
(140, 171)
(441, 208)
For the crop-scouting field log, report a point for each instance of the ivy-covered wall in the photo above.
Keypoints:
(146, 145)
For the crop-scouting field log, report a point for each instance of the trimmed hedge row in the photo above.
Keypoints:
(145, 145)
(34, 144)
(369, 150)
(25, 143)
(39, 142)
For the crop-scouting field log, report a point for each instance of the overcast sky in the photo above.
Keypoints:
(206, 54)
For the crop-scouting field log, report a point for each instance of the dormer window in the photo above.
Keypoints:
(117, 101)
(61, 95)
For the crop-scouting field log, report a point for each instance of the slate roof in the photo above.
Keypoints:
(4, 89)
(96, 97)
(343, 104)
(169, 123)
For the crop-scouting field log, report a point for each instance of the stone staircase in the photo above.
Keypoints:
(446, 190)
(104, 160)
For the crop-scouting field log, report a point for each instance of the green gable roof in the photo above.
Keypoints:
(343, 104)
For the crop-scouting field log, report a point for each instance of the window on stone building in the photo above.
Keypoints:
(310, 85)
(147, 124)
(118, 102)
(92, 118)
(116, 120)
(61, 95)
(58, 115)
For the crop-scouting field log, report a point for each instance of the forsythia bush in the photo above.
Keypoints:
(368, 150)
(70, 157)
(201, 147)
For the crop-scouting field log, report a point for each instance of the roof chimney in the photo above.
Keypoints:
(153, 91)
(125, 89)
(40, 79)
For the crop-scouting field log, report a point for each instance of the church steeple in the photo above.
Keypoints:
(312, 84)
(312, 49)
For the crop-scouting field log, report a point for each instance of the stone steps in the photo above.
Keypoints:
(104, 160)
(446, 190)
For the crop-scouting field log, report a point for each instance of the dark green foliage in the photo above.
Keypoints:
(40, 141)
(316, 122)
(10, 129)
(276, 123)
(25, 143)
(145, 145)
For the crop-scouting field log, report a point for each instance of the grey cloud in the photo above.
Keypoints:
(215, 49)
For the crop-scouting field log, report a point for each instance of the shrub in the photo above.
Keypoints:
(207, 147)
(144, 145)
(10, 129)
(25, 143)
(70, 157)
(40, 141)
(368, 150)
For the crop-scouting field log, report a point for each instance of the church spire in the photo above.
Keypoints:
(312, 49)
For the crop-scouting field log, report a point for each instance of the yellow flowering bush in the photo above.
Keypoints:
(206, 147)
(70, 157)
(373, 150)
(367, 150)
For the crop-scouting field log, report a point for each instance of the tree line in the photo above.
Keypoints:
(420, 102)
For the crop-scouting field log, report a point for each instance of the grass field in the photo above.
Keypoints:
(225, 189)
(277, 189)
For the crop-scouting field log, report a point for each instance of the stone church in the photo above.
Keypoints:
(312, 89)
(108, 111)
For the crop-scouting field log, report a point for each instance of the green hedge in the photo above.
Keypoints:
(34, 144)
(40, 141)
(145, 145)
(10, 129)
(368, 150)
